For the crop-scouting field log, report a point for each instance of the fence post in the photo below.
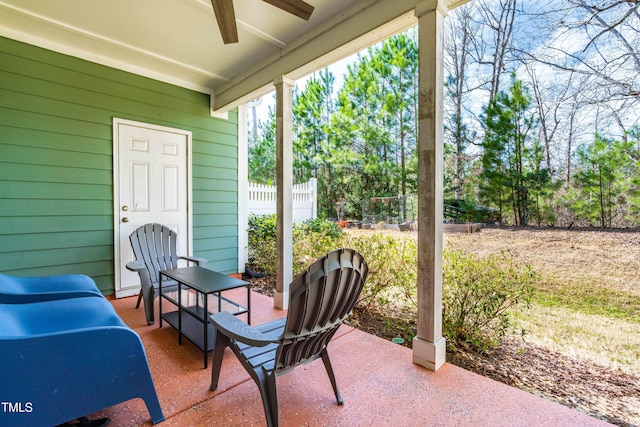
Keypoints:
(313, 182)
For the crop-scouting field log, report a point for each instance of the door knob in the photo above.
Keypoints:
(125, 219)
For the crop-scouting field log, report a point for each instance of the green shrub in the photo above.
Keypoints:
(477, 297)
(321, 226)
(262, 241)
(311, 240)
(261, 227)
(310, 245)
(392, 279)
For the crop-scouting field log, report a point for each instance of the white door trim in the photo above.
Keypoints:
(116, 190)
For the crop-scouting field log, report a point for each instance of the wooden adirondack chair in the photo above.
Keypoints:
(320, 299)
(154, 246)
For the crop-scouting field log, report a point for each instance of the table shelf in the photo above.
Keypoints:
(193, 321)
(216, 303)
(191, 328)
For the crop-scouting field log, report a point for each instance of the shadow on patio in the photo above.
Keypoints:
(378, 381)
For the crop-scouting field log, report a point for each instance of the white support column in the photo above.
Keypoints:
(243, 221)
(429, 347)
(284, 176)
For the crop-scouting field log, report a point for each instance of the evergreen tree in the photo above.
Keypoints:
(607, 169)
(262, 152)
(511, 158)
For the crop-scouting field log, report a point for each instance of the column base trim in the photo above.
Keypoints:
(431, 355)
(281, 300)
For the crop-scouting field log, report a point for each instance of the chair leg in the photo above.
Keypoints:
(139, 299)
(269, 393)
(148, 309)
(149, 296)
(332, 377)
(220, 342)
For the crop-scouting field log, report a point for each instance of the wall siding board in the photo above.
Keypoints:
(224, 138)
(209, 210)
(16, 189)
(44, 173)
(221, 265)
(56, 185)
(222, 185)
(57, 125)
(211, 221)
(215, 231)
(56, 257)
(41, 139)
(212, 243)
(54, 157)
(205, 172)
(215, 196)
(45, 241)
(218, 219)
(52, 207)
(222, 151)
(216, 254)
(206, 159)
(225, 151)
(19, 225)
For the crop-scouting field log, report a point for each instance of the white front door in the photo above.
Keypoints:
(151, 184)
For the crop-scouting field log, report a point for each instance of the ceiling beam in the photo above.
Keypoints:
(226, 18)
(299, 8)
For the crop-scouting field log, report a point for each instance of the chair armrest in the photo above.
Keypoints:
(142, 271)
(135, 266)
(199, 261)
(236, 329)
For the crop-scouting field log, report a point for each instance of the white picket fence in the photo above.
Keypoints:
(262, 200)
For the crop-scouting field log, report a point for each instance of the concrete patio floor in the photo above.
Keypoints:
(379, 383)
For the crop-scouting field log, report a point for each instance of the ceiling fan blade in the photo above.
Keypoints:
(226, 18)
(299, 8)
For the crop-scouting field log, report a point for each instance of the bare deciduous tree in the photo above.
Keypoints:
(459, 39)
(499, 18)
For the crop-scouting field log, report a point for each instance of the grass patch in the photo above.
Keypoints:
(588, 299)
(604, 340)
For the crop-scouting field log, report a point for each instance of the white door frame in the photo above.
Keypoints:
(116, 190)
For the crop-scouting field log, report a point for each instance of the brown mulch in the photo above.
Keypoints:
(604, 393)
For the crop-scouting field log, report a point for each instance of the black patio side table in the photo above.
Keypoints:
(195, 326)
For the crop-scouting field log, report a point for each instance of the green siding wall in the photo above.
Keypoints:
(56, 178)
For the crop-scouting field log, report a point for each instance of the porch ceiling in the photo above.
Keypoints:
(178, 41)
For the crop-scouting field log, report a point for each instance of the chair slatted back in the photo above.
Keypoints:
(320, 299)
(155, 246)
